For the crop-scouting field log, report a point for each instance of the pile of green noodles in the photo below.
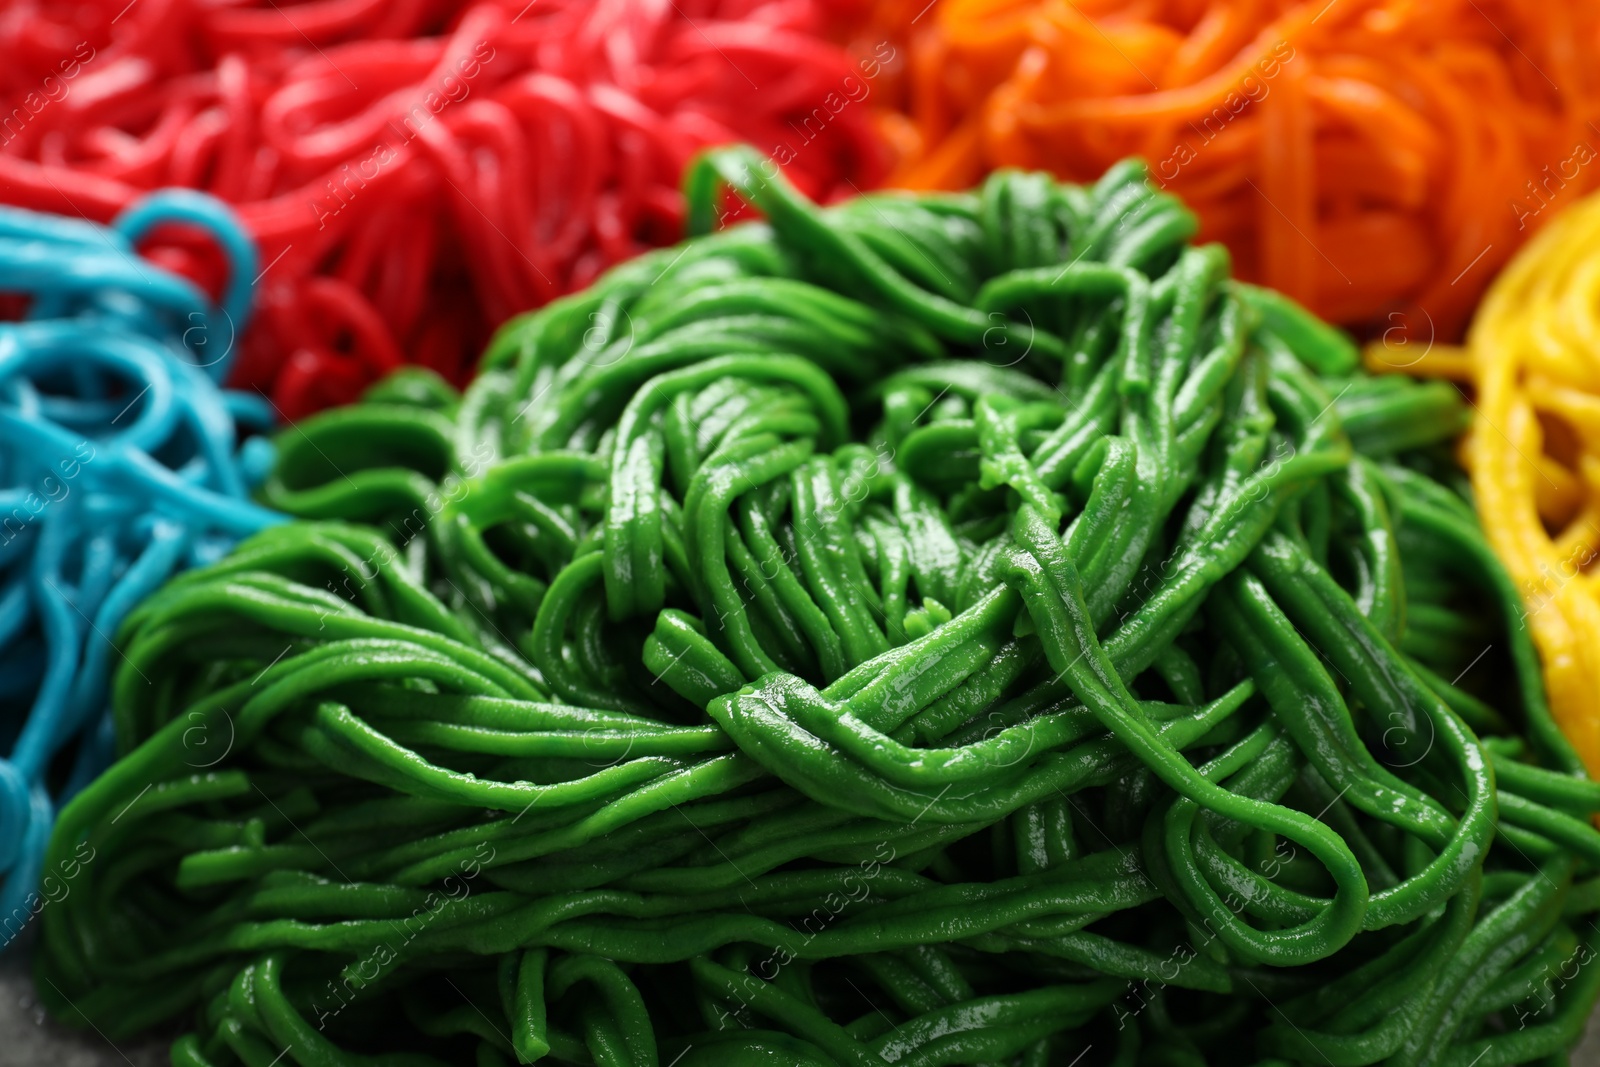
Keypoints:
(962, 629)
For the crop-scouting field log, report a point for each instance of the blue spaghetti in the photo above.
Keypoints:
(122, 461)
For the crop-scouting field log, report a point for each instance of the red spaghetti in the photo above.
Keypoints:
(414, 170)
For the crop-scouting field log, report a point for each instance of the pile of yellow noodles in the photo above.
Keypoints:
(1533, 355)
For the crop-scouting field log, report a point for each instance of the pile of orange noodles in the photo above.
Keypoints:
(1376, 159)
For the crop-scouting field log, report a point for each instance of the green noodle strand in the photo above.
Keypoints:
(962, 629)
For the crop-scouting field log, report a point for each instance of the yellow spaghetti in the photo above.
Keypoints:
(1533, 357)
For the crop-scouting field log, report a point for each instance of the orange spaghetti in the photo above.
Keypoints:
(1375, 159)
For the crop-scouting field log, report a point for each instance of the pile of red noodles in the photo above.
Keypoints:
(414, 170)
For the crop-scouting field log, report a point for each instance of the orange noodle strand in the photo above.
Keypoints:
(1375, 159)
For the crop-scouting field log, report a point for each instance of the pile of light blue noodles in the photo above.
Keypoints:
(122, 461)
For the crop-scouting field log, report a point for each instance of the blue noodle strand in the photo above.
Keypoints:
(122, 461)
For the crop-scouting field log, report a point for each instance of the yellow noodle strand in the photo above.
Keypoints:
(1533, 354)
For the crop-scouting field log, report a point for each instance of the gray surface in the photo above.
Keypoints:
(29, 1039)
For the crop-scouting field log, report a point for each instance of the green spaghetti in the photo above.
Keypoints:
(964, 629)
